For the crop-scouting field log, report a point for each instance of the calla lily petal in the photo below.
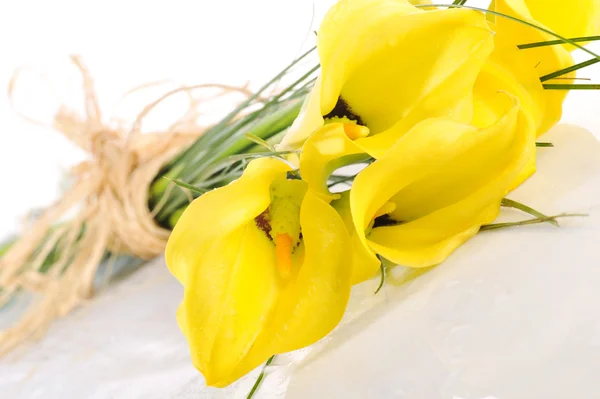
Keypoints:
(313, 303)
(226, 313)
(265, 268)
(378, 81)
(538, 61)
(575, 18)
(368, 78)
(490, 105)
(309, 119)
(450, 181)
(237, 203)
(365, 264)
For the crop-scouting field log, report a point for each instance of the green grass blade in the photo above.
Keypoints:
(229, 117)
(496, 226)
(187, 186)
(260, 378)
(382, 281)
(569, 69)
(508, 203)
(571, 87)
(260, 142)
(555, 42)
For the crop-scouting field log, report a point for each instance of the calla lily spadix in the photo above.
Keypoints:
(266, 269)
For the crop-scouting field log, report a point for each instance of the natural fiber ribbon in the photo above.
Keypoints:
(111, 195)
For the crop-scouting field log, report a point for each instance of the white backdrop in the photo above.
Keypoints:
(126, 44)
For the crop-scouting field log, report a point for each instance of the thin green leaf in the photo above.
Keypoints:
(508, 203)
(383, 273)
(496, 226)
(259, 141)
(570, 69)
(261, 376)
(231, 116)
(554, 42)
(588, 79)
(571, 87)
(543, 144)
(212, 169)
(187, 186)
(335, 180)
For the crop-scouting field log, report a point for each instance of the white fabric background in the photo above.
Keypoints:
(513, 314)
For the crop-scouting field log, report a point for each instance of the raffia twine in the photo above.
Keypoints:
(110, 196)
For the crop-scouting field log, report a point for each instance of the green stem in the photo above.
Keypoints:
(496, 226)
(270, 126)
(543, 144)
(383, 272)
(508, 203)
(214, 130)
(571, 87)
(261, 376)
(271, 141)
(221, 146)
(227, 138)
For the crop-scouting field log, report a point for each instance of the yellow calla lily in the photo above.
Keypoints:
(382, 69)
(265, 268)
(574, 18)
(528, 64)
(437, 186)
(489, 106)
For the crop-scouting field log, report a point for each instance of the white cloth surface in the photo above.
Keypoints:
(513, 314)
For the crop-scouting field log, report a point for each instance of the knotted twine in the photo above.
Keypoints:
(110, 197)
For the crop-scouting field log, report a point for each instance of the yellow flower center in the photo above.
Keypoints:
(281, 221)
(388, 207)
(354, 131)
(283, 254)
(342, 112)
(382, 218)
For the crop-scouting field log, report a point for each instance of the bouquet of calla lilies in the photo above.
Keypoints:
(435, 110)
(402, 144)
